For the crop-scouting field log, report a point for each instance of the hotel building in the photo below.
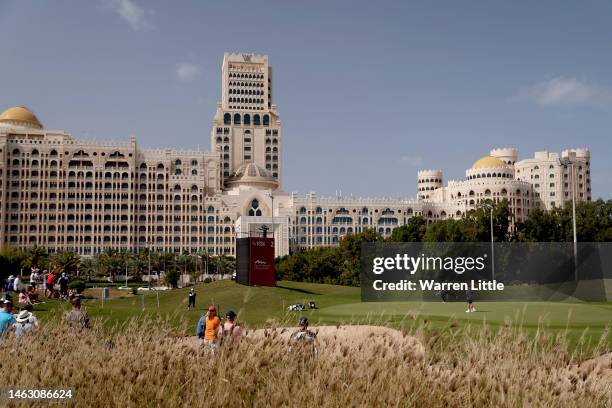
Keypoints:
(62, 192)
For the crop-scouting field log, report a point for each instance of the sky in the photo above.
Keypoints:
(368, 92)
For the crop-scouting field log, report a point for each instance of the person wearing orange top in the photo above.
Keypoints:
(212, 327)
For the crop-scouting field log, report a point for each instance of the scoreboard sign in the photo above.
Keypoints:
(255, 261)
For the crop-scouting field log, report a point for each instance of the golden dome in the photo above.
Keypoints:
(20, 116)
(489, 162)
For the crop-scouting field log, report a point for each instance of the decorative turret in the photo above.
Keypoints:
(428, 181)
(508, 155)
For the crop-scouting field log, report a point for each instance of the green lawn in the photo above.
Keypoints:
(258, 306)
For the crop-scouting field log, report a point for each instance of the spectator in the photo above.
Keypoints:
(32, 294)
(25, 321)
(24, 298)
(6, 318)
(9, 283)
(76, 318)
(230, 329)
(34, 276)
(49, 283)
(63, 284)
(18, 284)
(211, 330)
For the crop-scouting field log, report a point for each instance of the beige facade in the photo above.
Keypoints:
(557, 177)
(61, 192)
(246, 126)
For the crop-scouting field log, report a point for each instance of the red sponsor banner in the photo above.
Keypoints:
(261, 262)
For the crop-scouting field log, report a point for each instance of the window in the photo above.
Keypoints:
(236, 119)
(254, 210)
(227, 119)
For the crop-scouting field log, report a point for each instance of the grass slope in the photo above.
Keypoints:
(259, 306)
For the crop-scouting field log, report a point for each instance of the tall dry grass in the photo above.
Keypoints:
(142, 364)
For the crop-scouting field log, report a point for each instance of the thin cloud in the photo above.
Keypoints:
(187, 72)
(412, 161)
(567, 92)
(136, 16)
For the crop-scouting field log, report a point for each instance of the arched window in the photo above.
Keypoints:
(256, 120)
(236, 118)
(266, 120)
(178, 162)
(247, 119)
(255, 211)
(227, 119)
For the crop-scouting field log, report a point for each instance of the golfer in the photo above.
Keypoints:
(192, 297)
(470, 301)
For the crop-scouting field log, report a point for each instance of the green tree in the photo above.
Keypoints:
(67, 261)
(413, 231)
(35, 256)
(10, 261)
(88, 267)
(171, 278)
(112, 262)
(480, 221)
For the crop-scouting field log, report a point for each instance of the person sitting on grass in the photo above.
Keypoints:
(230, 330)
(32, 294)
(25, 321)
(24, 299)
(77, 318)
(6, 318)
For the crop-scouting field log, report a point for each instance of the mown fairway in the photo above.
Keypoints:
(261, 306)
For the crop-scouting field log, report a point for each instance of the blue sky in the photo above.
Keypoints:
(368, 92)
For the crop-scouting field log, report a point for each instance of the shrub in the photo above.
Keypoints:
(77, 285)
(208, 279)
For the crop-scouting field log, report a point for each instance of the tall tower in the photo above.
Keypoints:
(246, 127)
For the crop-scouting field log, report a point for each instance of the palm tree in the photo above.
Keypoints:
(67, 261)
(225, 264)
(88, 267)
(112, 262)
(34, 256)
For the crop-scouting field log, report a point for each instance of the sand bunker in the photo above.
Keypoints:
(343, 340)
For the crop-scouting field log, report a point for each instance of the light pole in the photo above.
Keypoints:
(492, 246)
(149, 256)
(566, 162)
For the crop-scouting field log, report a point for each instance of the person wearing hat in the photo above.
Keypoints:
(25, 321)
(192, 297)
(230, 328)
(6, 317)
(211, 329)
(303, 333)
(77, 318)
